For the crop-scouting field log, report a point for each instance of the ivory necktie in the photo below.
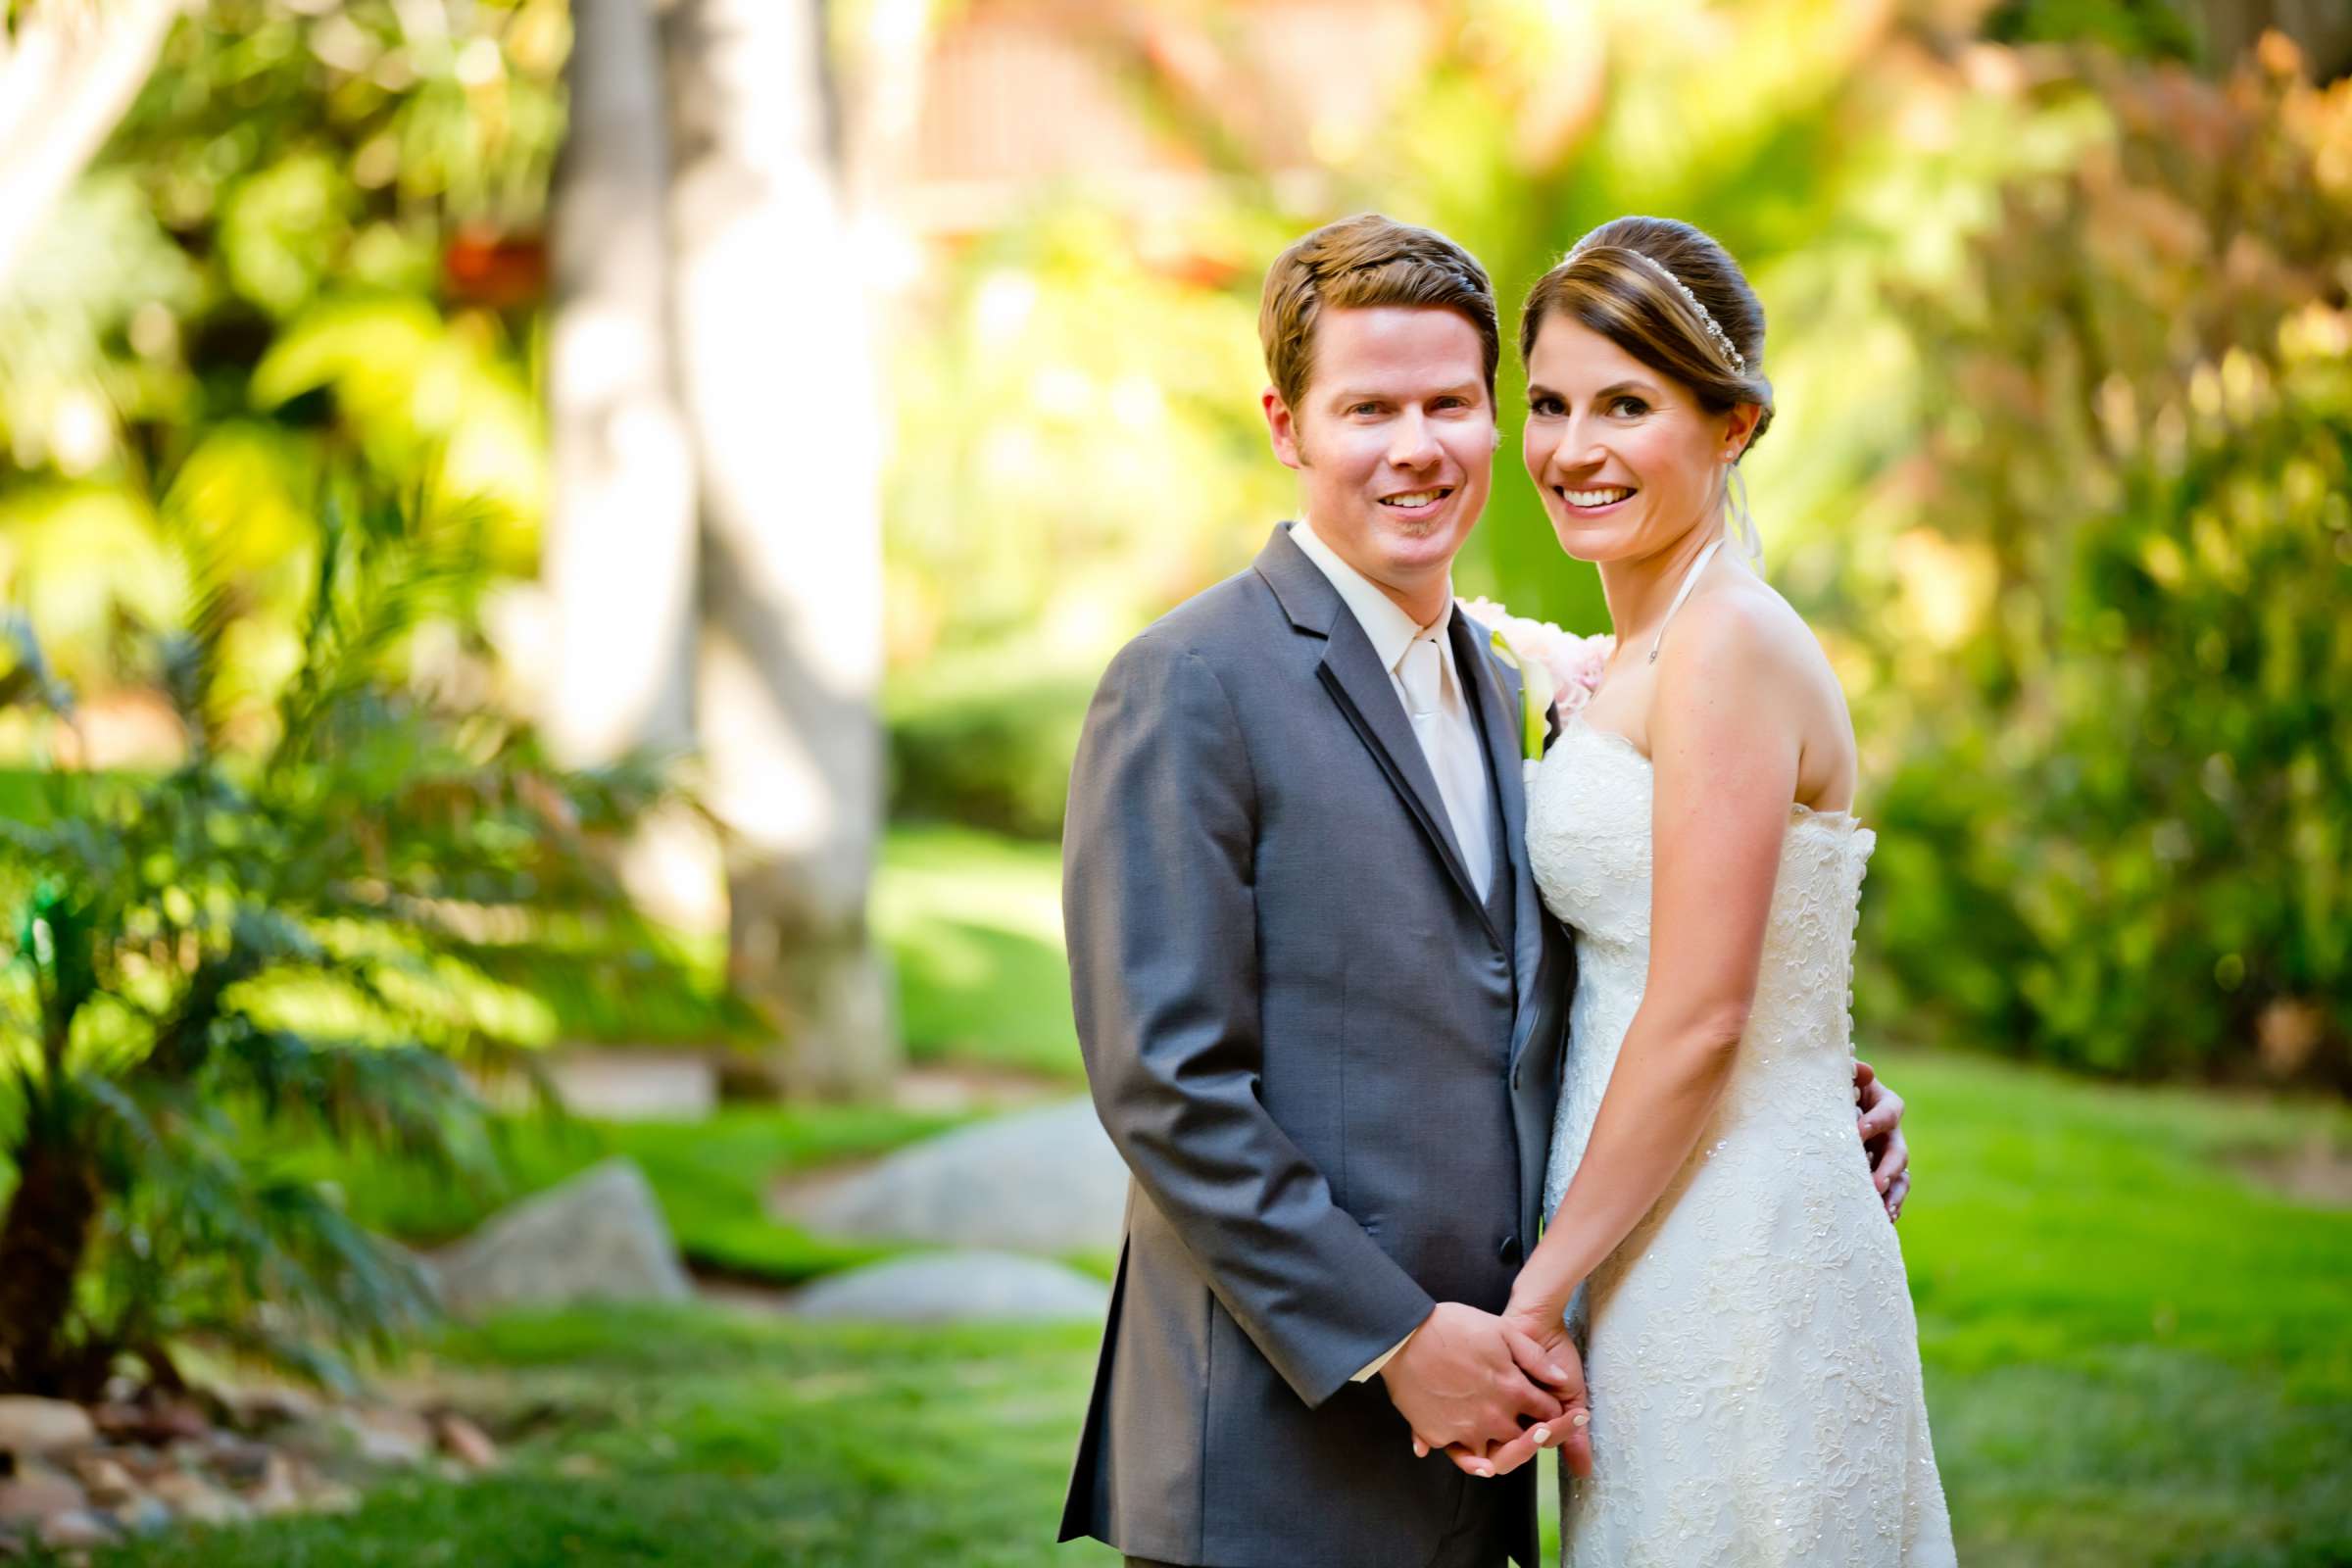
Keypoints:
(1459, 777)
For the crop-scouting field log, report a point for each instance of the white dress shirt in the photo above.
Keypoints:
(1419, 660)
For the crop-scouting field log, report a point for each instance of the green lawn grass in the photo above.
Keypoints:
(973, 924)
(2134, 1353)
(715, 1439)
(2134, 1356)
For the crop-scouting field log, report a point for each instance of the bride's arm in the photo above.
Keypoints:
(1725, 737)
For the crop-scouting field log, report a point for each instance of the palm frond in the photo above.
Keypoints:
(291, 1348)
(191, 659)
(132, 1136)
(259, 1236)
(28, 682)
(406, 1099)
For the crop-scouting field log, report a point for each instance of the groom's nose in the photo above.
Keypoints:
(1414, 444)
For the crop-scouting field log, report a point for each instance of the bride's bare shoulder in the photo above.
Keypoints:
(1740, 617)
(1738, 635)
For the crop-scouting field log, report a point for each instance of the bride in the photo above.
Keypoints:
(1752, 1358)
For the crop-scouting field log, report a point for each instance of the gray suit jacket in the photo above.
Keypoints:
(1330, 1065)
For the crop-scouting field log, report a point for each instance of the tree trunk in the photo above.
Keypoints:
(779, 384)
(619, 556)
(51, 1218)
(68, 71)
(620, 548)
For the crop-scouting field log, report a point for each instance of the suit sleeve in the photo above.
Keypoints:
(1159, 903)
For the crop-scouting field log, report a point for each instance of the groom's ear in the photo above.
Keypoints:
(1283, 427)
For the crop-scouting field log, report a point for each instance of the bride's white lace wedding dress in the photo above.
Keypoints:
(1751, 1347)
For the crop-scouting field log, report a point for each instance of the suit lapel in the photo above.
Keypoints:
(1352, 672)
(1497, 688)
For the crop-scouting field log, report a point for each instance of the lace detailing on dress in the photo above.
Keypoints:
(1750, 1347)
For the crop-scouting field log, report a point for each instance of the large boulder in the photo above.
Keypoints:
(30, 1425)
(1044, 1180)
(956, 1288)
(610, 1084)
(32, 1492)
(599, 1237)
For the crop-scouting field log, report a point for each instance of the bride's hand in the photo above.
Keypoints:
(1546, 1331)
(1541, 1345)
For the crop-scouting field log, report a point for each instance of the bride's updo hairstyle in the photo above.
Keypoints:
(1671, 297)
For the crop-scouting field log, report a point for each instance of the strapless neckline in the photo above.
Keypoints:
(1799, 812)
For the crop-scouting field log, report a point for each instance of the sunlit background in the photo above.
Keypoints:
(556, 553)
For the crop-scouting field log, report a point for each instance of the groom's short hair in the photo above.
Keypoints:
(1362, 263)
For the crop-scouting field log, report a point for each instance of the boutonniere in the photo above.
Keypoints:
(1558, 670)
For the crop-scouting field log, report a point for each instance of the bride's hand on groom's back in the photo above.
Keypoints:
(1879, 1118)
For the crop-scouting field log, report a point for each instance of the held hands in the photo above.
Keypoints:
(1571, 1433)
(1466, 1378)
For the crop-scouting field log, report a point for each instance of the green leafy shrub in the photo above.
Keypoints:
(996, 757)
(2121, 833)
(307, 928)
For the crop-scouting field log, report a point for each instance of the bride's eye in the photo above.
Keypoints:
(1629, 406)
(1548, 406)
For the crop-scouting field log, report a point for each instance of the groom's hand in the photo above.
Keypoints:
(1879, 1118)
(1460, 1382)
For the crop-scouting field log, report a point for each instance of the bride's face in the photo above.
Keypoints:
(1626, 459)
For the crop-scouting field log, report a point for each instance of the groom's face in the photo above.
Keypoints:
(1393, 439)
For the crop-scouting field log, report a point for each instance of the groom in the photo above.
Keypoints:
(1321, 1006)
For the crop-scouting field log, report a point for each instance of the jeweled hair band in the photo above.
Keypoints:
(1707, 318)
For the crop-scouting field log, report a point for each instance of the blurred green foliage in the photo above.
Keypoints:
(2155, 28)
(973, 924)
(985, 748)
(2117, 664)
(2109, 818)
(314, 234)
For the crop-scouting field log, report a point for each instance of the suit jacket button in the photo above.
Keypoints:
(1510, 1250)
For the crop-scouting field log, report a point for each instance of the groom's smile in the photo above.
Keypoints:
(1418, 504)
